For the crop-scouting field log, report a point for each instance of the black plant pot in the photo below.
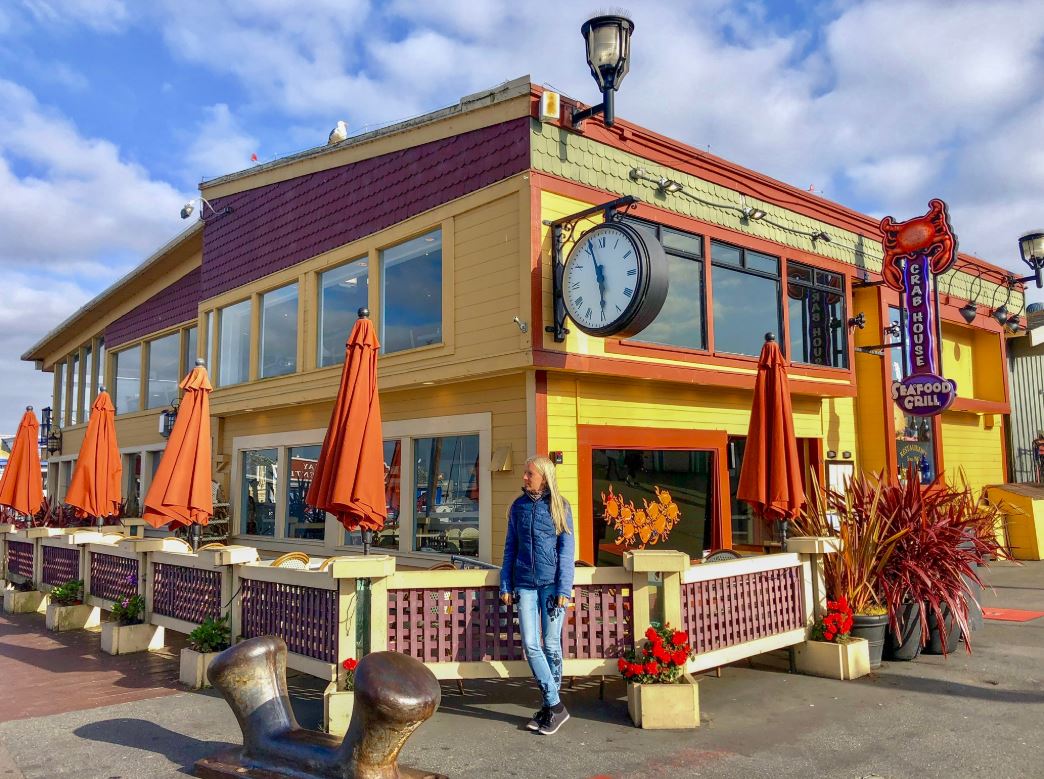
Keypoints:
(936, 640)
(871, 627)
(905, 645)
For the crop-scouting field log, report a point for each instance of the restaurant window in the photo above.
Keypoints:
(234, 350)
(681, 320)
(743, 530)
(388, 536)
(914, 435)
(303, 521)
(88, 379)
(259, 488)
(127, 371)
(188, 359)
(75, 396)
(745, 298)
(163, 371)
(411, 293)
(58, 403)
(818, 326)
(132, 484)
(278, 332)
(684, 477)
(446, 485)
(342, 292)
(99, 364)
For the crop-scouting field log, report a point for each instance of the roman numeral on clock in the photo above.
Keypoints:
(632, 272)
(628, 292)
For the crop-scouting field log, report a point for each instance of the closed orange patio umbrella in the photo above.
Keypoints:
(349, 476)
(21, 487)
(770, 478)
(180, 493)
(94, 490)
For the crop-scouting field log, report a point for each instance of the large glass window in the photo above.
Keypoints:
(342, 292)
(58, 404)
(279, 332)
(389, 534)
(88, 378)
(411, 293)
(259, 488)
(75, 396)
(684, 478)
(163, 371)
(127, 370)
(302, 520)
(743, 520)
(818, 326)
(191, 347)
(680, 321)
(446, 480)
(132, 485)
(746, 298)
(99, 363)
(234, 355)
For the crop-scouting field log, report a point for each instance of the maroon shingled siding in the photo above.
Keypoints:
(280, 225)
(176, 304)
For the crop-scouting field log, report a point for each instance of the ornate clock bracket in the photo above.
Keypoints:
(562, 233)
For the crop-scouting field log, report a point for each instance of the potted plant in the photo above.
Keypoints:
(831, 650)
(659, 692)
(67, 611)
(126, 632)
(213, 636)
(23, 598)
(339, 699)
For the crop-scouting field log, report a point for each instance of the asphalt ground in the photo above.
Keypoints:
(68, 711)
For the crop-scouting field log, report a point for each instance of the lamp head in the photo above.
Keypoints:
(1031, 247)
(968, 311)
(187, 209)
(608, 49)
(1001, 314)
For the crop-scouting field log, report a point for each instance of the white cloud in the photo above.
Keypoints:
(221, 144)
(99, 15)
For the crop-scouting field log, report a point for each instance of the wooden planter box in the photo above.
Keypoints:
(665, 706)
(834, 661)
(127, 639)
(78, 617)
(194, 667)
(16, 602)
(337, 709)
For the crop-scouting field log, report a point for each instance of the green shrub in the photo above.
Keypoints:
(213, 635)
(128, 611)
(67, 594)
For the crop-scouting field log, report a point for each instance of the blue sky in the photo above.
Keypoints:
(113, 111)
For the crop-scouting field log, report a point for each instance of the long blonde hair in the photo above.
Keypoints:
(546, 469)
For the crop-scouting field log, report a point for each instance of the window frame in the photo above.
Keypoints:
(814, 286)
(444, 320)
(252, 340)
(114, 356)
(320, 307)
(742, 268)
(179, 340)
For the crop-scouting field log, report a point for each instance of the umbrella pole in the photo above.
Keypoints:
(367, 539)
(195, 531)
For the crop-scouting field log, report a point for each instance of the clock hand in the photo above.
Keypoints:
(599, 275)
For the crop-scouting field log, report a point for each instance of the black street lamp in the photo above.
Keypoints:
(609, 56)
(1031, 247)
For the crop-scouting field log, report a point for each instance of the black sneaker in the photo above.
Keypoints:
(553, 722)
(538, 719)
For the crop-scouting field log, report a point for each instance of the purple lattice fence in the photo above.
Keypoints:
(113, 578)
(61, 564)
(20, 558)
(470, 624)
(304, 617)
(733, 610)
(188, 594)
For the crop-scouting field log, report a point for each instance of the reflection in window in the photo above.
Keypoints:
(88, 377)
(302, 520)
(99, 363)
(279, 332)
(742, 514)
(58, 403)
(127, 370)
(688, 475)
(680, 321)
(446, 480)
(816, 305)
(258, 490)
(411, 293)
(189, 358)
(234, 351)
(746, 298)
(163, 371)
(388, 537)
(342, 292)
(75, 399)
(132, 487)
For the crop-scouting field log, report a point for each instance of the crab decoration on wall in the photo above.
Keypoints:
(640, 527)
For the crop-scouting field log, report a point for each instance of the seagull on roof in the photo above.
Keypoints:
(339, 133)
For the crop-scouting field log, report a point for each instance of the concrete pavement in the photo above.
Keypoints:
(962, 716)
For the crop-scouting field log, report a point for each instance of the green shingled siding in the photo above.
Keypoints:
(578, 158)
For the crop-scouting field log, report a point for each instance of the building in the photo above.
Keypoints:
(444, 227)
(1026, 357)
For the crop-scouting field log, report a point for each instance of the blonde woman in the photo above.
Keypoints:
(538, 573)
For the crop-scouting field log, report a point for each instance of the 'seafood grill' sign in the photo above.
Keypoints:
(915, 252)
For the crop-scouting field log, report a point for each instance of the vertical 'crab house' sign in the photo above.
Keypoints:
(915, 252)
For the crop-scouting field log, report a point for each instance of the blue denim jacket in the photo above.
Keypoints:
(534, 554)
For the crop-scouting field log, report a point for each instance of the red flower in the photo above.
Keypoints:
(661, 654)
(651, 668)
(678, 638)
(652, 635)
(637, 669)
(680, 656)
(349, 664)
(622, 665)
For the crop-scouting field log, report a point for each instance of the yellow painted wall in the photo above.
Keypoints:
(1024, 504)
(973, 359)
(870, 398)
(973, 442)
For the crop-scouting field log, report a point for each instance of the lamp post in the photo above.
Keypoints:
(1031, 248)
(609, 57)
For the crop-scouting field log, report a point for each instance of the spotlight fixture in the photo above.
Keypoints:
(753, 214)
(857, 321)
(968, 311)
(189, 207)
(668, 186)
(1001, 314)
(820, 235)
(1013, 323)
(609, 57)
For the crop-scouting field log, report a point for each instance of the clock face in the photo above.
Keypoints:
(603, 277)
(614, 281)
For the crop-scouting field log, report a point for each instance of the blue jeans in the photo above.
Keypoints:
(541, 620)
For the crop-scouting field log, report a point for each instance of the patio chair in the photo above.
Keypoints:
(295, 560)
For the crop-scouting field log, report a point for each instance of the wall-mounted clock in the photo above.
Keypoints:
(615, 280)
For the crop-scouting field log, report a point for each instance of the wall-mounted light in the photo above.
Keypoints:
(608, 41)
(753, 214)
(859, 320)
(969, 311)
(189, 207)
(668, 186)
(821, 235)
(1031, 248)
(846, 455)
(167, 418)
(54, 441)
(831, 454)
